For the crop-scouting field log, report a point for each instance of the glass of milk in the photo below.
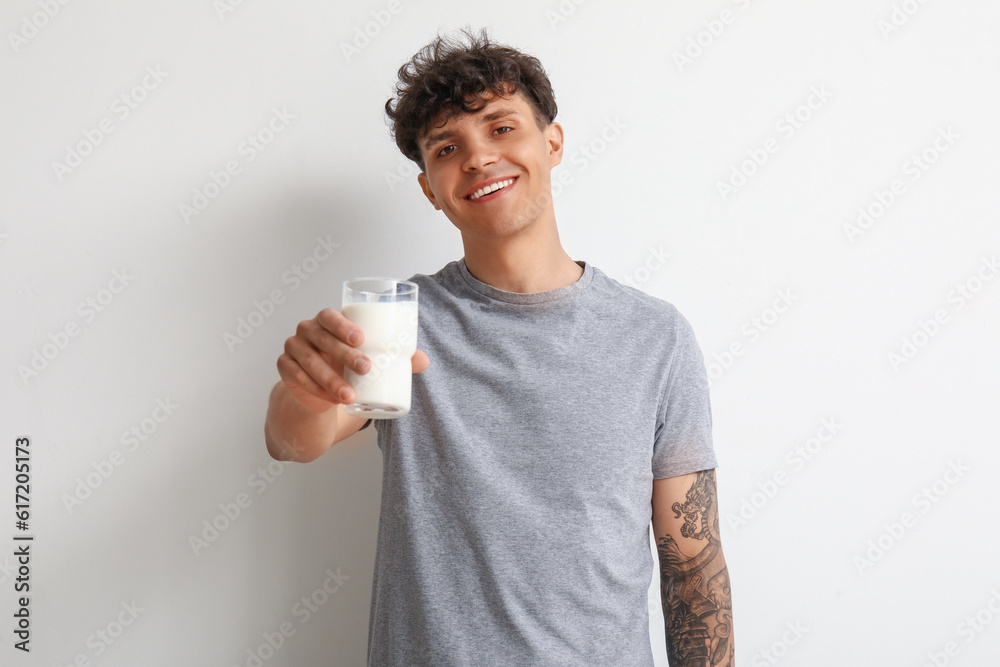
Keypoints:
(386, 311)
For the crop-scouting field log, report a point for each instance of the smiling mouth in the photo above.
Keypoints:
(488, 192)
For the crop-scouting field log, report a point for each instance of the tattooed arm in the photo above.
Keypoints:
(694, 580)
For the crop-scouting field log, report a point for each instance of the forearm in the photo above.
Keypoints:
(294, 432)
(697, 607)
(694, 579)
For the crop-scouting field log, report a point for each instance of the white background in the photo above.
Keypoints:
(794, 530)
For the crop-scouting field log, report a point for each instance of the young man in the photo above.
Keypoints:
(555, 412)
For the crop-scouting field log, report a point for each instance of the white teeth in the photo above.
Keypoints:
(492, 188)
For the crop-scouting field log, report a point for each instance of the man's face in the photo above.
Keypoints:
(500, 142)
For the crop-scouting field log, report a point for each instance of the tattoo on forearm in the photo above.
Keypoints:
(697, 604)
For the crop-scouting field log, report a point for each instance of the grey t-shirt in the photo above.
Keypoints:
(515, 515)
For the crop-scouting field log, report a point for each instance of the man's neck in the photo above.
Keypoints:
(525, 263)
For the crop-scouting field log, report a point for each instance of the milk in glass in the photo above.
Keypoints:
(390, 341)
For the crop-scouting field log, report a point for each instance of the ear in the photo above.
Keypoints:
(554, 138)
(425, 186)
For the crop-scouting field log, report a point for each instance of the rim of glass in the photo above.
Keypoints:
(410, 287)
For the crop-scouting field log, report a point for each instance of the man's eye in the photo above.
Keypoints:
(444, 151)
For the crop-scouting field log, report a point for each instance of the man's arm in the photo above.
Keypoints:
(294, 432)
(694, 580)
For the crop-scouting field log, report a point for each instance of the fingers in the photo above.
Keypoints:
(304, 367)
(333, 321)
(303, 387)
(315, 357)
(314, 360)
(337, 336)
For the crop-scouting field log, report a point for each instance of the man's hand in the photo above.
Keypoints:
(305, 413)
(694, 579)
(312, 366)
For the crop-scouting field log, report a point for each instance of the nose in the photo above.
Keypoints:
(480, 155)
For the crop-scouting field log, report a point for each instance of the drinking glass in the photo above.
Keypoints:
(386, 311)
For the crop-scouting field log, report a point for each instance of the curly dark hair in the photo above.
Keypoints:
(443, 75)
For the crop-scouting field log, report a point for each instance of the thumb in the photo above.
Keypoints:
(420, 361)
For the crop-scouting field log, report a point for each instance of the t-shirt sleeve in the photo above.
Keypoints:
(365, 425)
(683, 437)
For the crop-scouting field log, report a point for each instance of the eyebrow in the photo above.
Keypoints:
(484, 119)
